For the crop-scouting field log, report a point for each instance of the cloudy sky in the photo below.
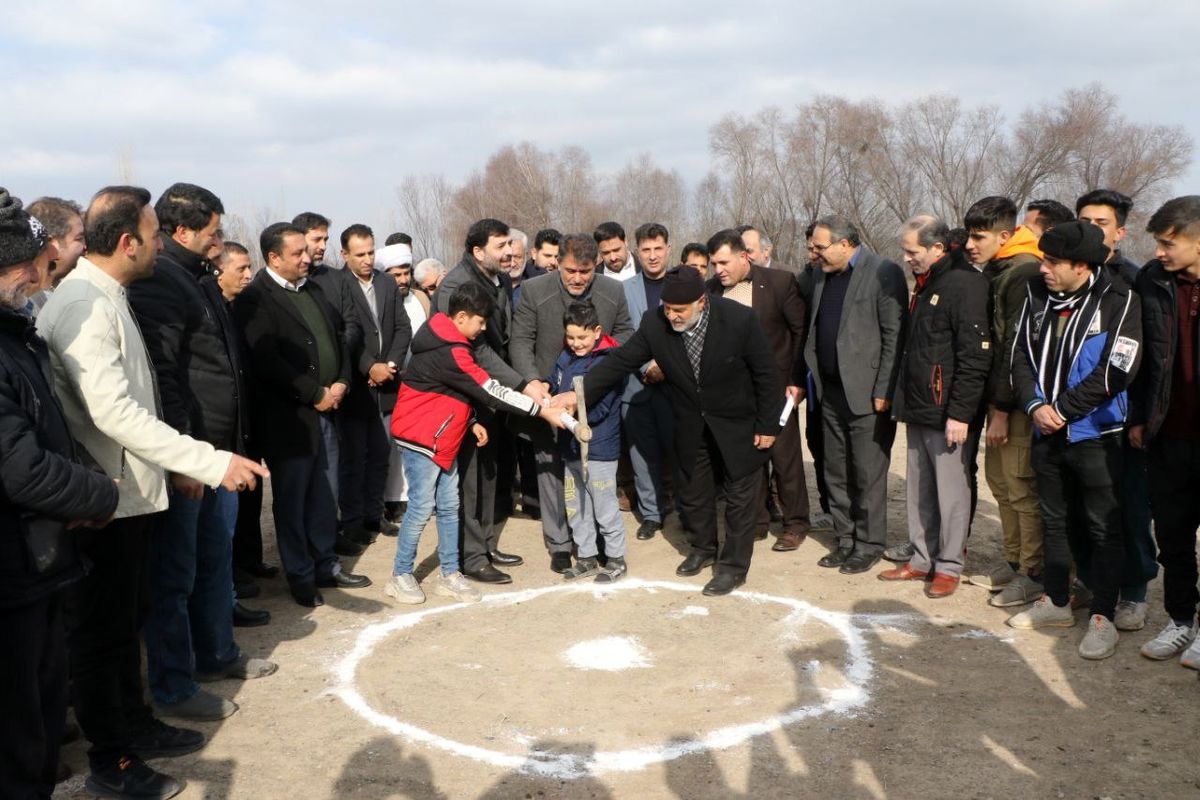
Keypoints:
(326, 106)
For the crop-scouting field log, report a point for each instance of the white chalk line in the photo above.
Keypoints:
(858, 672)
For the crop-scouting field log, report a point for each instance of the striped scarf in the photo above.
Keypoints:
(1054, 362)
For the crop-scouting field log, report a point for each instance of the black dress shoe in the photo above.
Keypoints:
(309, 596)
(505, 559)
(859, 562)
(263, 570)
(249, 618)
(693, 564)
(724, 583)
(648, 528)
(837, 557)
(132, 777)
(560, 562)
(344, 580)
(160, 740)
(345, 546)
(488, 574)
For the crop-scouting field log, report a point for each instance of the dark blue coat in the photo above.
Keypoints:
(604, 417)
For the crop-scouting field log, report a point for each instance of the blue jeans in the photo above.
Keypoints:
(189, 575)
(430, 488)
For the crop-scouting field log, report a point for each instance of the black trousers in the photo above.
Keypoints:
(1079, 481)
(698, 502)
(104, 616)
(858, 452)
(477, 481)
(247, 533)
(1175, 504)
(363, 455)
(787, 484)
(33, 684)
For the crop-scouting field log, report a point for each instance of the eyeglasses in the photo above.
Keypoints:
(821, 248)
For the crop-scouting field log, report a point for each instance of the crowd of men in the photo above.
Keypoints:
(150, 382)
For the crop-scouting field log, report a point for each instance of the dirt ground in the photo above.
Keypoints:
(807, 684)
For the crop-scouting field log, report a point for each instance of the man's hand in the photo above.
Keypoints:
(997, 427)
(654, 374)
(338, 390)
(956, 433)
(1137, 436)
(190, 488)
(1047, 420)
(326, 403)
(565, 402)
(763, 442)
(380, 373)
(882, 406)
(481, 434)
(796, 393)
(536, 390)
(243, 474)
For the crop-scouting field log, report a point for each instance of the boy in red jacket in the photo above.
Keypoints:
(430, 421)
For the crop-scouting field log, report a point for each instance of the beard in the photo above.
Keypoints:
(13, 299)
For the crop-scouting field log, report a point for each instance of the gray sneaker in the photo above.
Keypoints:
(612, 571)
(244, 669)
(900, 553)
(1170, 642)
(203, 706)
(1021, 590)
(821, 521)
(1130, 616)
(995, 580)
(1043, 614)
(456, 586)
(1101, 638)
(582, 568)
(404, 589)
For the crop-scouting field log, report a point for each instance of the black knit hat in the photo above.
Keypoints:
(1075, 241)
(682, 285)
(22, 237)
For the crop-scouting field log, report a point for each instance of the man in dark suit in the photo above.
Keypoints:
(537, 342)
(727, 399)
(760, 250)
(365, 441)
(775, 299)
(855, 339)
(301, 366)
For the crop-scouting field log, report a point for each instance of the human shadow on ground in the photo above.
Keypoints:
(381, 769)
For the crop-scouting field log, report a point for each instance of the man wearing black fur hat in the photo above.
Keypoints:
(711, 351)
(1077, 348)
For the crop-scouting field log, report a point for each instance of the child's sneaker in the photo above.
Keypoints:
(1101, 638)
(1044, 614)
(582, 568)
(456, 586)
(612, 571)
(1170, 642)
(404, 589)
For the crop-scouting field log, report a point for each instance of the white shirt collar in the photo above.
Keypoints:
(284, 282)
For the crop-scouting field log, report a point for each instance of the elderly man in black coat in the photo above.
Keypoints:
(43, 489)
(725, 389)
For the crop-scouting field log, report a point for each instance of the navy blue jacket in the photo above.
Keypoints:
(604, 417)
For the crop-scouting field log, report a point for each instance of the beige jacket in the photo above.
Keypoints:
(104, 380)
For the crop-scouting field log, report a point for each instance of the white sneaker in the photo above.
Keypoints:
(404, 589)
(1170, 642)
(1101, 638)
(1130, 616)
(1191, 656)
(456, 586)
(1043, 614)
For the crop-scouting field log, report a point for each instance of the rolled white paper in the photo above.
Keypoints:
(788, 406)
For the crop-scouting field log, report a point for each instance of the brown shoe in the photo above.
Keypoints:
(902, 573)
(623, 502)
(942, 585)
(788, 541)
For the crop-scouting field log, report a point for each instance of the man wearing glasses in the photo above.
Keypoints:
(854, 345)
